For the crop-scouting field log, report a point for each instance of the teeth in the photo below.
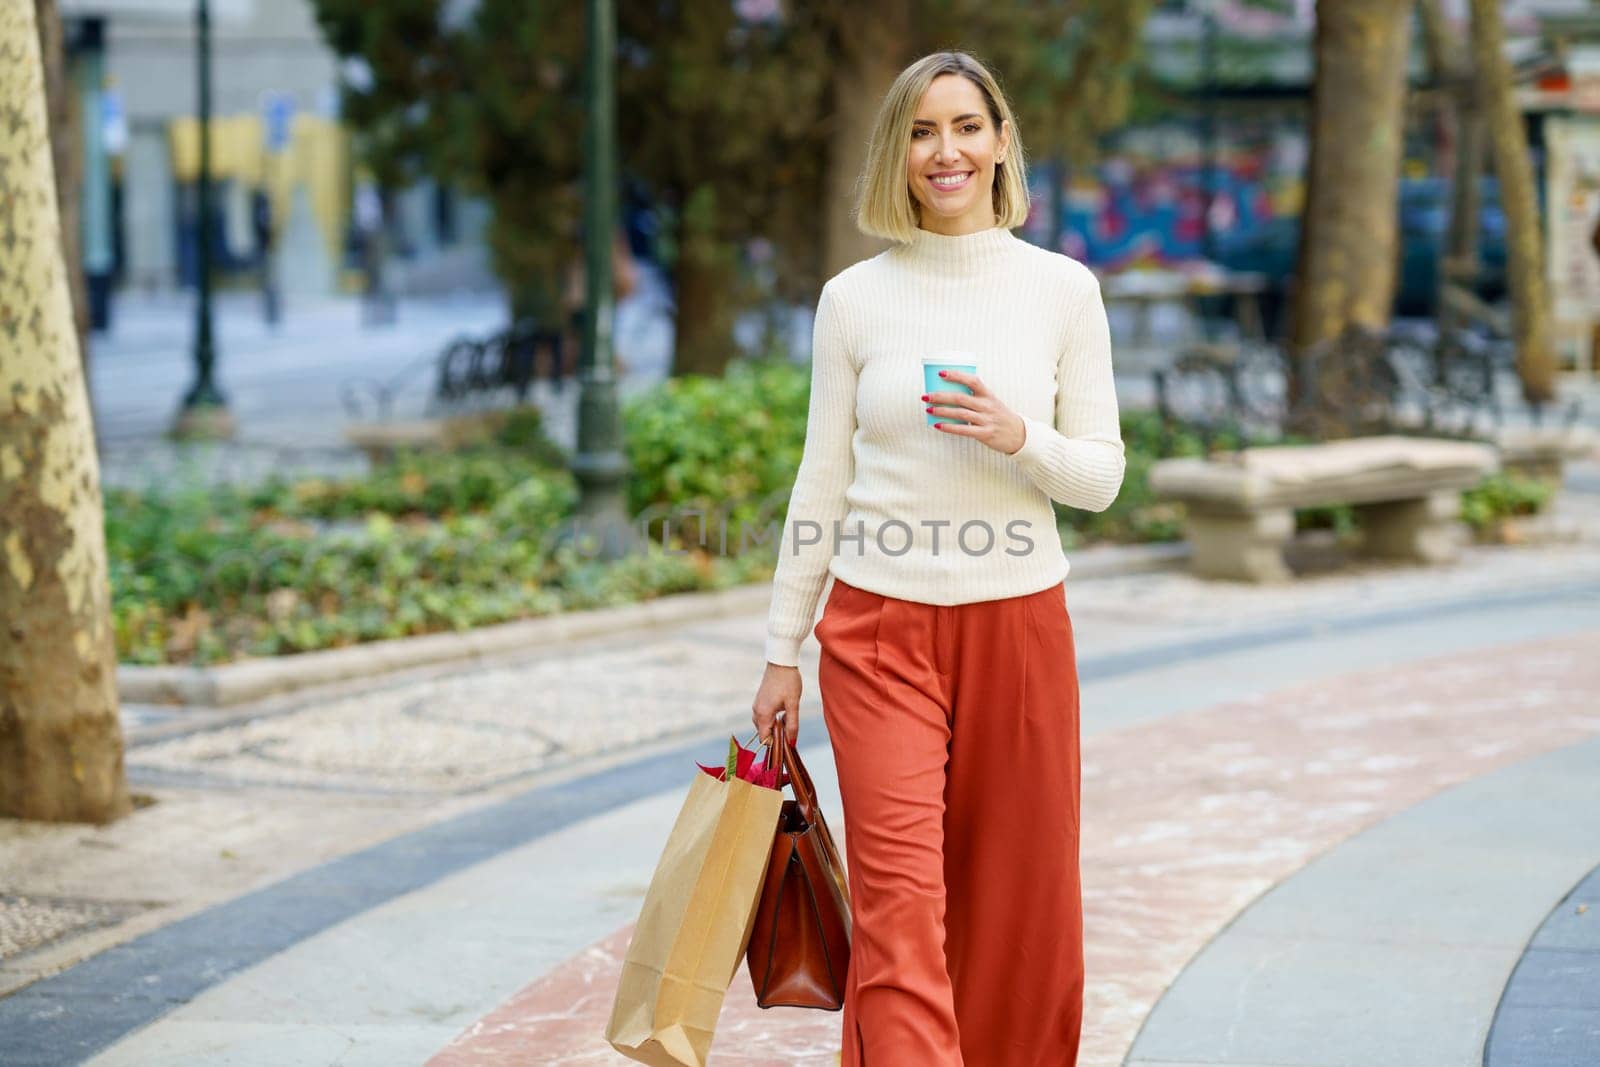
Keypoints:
(950, 181)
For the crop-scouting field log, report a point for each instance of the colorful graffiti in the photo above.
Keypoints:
(1145, 213)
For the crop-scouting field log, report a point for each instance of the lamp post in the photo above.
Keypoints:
(205, 410)
(599, 465)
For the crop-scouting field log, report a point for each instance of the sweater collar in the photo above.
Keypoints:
(962, 252)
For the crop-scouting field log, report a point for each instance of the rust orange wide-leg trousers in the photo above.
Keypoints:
(955, 735)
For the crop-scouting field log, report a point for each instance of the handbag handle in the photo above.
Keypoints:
(805, 793)
(787, 760)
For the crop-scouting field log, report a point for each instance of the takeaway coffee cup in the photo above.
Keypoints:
(932, 383)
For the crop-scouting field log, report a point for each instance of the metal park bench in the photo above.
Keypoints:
(470, 375)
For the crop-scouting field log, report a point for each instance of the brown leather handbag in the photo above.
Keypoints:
(799, 950)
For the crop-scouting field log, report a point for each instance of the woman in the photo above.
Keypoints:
(948, 679)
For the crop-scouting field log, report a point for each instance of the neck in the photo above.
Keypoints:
(964, 251)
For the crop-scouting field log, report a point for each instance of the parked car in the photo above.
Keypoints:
(1424, 231)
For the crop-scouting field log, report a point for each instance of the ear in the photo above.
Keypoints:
(1005, 139)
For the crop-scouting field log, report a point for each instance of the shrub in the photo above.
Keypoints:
(730, 443)
(1503, 495)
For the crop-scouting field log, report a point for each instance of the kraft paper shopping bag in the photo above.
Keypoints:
(695, 923)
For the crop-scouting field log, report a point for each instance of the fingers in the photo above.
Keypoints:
(960, 428)
(762, 721)
(971, 381)
(956, 403)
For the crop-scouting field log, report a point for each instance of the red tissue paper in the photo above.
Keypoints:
(745, 766)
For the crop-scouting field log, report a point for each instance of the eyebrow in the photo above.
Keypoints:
(958, 118)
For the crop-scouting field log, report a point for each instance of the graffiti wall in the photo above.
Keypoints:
(1143, 203)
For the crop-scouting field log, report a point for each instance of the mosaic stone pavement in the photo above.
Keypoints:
(28, 922)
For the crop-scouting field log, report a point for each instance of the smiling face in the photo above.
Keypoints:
(951, 161)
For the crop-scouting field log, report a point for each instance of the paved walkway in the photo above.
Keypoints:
(444, 868)
(1450, 892)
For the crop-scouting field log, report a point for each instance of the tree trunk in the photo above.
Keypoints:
(66, 146)
(1348, 256)
(1461, 114)
(1530, 294)
(1451, 67)
(704, 277)
(1466, 203)
(870, 56)
(61, 752)
(1349, 235)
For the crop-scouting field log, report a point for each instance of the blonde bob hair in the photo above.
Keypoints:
(885, 206)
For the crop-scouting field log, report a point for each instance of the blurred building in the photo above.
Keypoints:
(1564, 103)
(280, 157)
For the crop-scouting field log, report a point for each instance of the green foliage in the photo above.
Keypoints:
(204, 576)
(432, 483)
(416, 483)
(432, 541)
(1503, 495)
(723, 446)
(523, 431)
(726, 120)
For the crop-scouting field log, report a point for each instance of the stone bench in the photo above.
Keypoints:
(1240, 505)
(381, 440)
(1541, 452)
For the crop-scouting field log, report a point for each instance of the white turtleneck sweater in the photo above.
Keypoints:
(892, 505)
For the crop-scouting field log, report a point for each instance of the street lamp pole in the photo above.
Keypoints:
(599, 465)
(205, 410)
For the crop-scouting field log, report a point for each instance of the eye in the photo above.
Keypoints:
(971, 127)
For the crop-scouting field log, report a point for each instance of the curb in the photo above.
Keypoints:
(230, 684)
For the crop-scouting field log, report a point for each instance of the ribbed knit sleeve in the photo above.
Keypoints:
(818, 498)
(1080, 460)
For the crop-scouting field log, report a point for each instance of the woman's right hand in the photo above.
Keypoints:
(780, 691)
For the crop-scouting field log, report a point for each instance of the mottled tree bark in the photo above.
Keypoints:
(66, 148)
(1530, 293)
(61, 750)
(1349, 234)
(1348, 240)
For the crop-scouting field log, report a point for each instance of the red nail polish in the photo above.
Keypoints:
(924, 396)
(930, 411)
(938, 426)
(944, 373)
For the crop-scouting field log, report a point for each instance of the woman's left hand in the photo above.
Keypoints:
(988, 420)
